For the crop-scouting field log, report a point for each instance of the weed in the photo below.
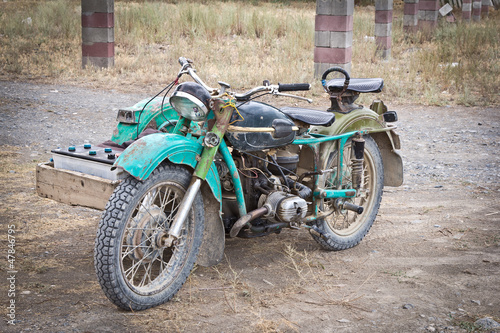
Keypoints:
(466, 322)
(400, 275)
(38, 287)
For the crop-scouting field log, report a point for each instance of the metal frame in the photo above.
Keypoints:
(313, 142)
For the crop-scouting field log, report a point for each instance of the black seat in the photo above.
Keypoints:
(308, 116)
(357, 85)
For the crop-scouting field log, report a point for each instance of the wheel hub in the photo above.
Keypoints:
(145, 235)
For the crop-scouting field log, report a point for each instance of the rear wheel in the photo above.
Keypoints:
(344, 228)
(135, 270)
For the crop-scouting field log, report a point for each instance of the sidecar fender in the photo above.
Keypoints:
(139, 116)
(144, 155)
(387, 139)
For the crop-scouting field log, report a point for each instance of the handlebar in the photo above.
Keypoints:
(184, 61)
(273, 89)
(186, 68)
(294, 87)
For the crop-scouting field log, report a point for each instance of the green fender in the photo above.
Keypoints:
(387, 139)
(145, 154)
(357, 119)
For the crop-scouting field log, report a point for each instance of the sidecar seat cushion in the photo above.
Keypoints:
(357, 85)
(308, 116)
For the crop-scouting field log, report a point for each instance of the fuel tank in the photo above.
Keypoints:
(253, 117)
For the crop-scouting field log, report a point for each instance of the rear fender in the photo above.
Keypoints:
(387, 139)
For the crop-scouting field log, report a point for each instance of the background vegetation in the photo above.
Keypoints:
(244, 42)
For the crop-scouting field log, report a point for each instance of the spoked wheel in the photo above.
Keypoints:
(135, 269)
(346, 228)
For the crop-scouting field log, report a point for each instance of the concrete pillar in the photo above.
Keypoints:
(485, 7)
(476, 10)
(333, 35)
(383, 27)
(410, 18)
(466, 10)
(98, 40)
(428, 11)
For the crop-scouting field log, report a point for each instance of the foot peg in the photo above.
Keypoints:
(353, 207)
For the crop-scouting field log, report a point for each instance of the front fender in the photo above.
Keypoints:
(387, 139)
(145, 154)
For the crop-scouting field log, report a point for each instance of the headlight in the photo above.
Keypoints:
(190, 101)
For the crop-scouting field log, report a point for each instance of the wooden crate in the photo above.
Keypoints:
(72, 187)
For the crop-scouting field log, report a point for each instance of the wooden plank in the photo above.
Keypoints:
(72, 187)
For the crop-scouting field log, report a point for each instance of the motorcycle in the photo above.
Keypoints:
(221, 164)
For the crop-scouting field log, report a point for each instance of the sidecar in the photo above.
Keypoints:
(81, 175)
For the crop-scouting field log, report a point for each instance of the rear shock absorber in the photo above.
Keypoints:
(357, 158)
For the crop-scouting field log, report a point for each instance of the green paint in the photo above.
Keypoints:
(219, 129)
(144, 155)
(235, 175)
(365, 119)
(153, 110)
(333, 194)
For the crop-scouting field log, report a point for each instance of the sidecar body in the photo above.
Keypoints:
(81, 175)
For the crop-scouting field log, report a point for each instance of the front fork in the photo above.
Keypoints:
(223, 111)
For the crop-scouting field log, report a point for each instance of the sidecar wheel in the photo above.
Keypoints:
(344, 228)
(135, 270)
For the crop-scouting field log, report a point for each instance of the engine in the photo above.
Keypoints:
(283, 207)
(268, 180)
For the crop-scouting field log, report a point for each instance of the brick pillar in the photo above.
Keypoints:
(333, 35)
(383, 27)
(428, 14)
(476, 10)
(410, 18)
(98, 47)
(466, 10)
(485, 7)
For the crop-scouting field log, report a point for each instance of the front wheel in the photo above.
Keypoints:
(344, 228)
(135, 270)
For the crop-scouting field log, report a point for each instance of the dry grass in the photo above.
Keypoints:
(243, 43)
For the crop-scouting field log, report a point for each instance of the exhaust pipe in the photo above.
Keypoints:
(242, 221)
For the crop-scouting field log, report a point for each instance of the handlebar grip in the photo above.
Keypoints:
(183, 61)
(293, 87)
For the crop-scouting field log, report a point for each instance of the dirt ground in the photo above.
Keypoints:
(431, 262)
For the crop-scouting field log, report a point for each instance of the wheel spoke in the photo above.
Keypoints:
(145, 242)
